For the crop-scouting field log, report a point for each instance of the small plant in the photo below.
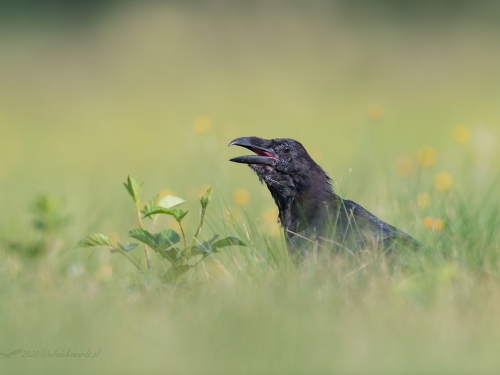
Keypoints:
(49, 221)
(176, 256)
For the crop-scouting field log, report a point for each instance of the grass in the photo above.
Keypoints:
(82, 109)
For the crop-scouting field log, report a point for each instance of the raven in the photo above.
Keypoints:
(309, 210)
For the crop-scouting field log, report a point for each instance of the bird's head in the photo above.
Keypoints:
(284, 165)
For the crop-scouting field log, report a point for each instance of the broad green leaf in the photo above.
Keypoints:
(205, 198)
(172, 255)
(152, 203)
(212, 245)
(170, 201)
(128, 246)
(159, 241)
(174, 272)
(144, 236)
(178, 214)
(133, 188)
(96, 239)
(167, 238)
(205, 247)
(228, 241)
(159, 210)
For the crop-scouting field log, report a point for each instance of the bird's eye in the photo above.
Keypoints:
(286, 150)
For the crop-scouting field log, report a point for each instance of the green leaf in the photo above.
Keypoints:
(205, 199)
(133, 188)
(211, 246)
(177, 213)
(170, 201)
(167, 238)
(128, 246)
(172, 255)
(96, 239)
(167, 202)
(159, 241)
(228, 241)
(174, 272)
(152, 203)
(48, 213)
(205, 247)
(144, 236)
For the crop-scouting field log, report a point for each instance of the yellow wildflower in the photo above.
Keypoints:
(426, 156)
(404, 166)
(201, 124)
(271, 220)
(428, 222)
(271, 216)
(461, 134)
(423, 200)
(375, 111)
(443, 182)
(431, 223)
(438, 224)
(241, 197)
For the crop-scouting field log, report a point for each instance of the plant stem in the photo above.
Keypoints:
(186, 250)
(200, 224)
(141, 225)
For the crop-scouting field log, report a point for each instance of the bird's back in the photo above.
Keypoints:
(345, 225)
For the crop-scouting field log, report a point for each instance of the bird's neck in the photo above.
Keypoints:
(308, 206)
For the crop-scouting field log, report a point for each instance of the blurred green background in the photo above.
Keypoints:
(92, 91)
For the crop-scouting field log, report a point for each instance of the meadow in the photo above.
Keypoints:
(403, 114)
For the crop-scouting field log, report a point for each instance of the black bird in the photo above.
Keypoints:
(309, 210)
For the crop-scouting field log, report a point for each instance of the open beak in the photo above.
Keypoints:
(258, 145)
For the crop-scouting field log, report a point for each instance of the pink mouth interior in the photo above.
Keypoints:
(263, 153)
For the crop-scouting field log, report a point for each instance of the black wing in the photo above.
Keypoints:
(370, 229)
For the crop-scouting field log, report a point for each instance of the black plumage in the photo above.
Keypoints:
(309, 210)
